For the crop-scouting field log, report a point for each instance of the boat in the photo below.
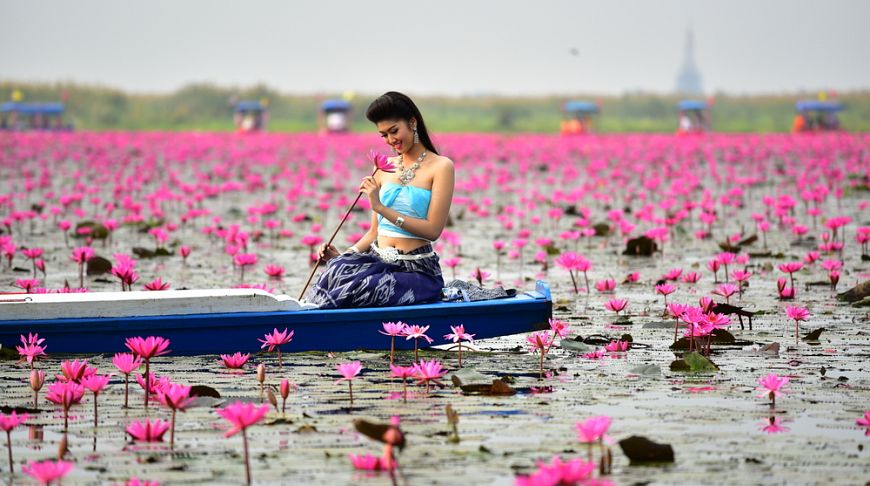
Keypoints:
(229, 320)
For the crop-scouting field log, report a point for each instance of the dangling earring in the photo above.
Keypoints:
(395, 152)
(416, 136)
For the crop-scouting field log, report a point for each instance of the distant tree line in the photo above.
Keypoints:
(208, 107)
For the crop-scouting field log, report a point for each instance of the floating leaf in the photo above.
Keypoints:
(641, 450)
(856, 293)
(814, 335)
(204, 391)
(693, 362)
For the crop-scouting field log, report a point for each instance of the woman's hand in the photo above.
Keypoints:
(370, 187)
(327, 253)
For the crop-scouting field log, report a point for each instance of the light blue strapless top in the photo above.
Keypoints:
(408, 200)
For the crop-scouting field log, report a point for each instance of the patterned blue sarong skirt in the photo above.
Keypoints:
(366, 280)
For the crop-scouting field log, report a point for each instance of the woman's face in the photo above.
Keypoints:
(397, 134)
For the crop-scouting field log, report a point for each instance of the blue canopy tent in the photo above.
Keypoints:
(250, 116)
(249, 106)
(694, 116)
(336, 115)
(578, 116)
(817, 115)
(823, 106)
(692, 105)
(16, 115)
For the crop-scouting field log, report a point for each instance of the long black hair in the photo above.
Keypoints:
(393, 105)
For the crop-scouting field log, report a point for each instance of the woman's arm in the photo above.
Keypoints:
(439, 206)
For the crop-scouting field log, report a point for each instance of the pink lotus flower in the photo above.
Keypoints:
(184, 251)
(480, 276)
(558, 473)
(243, 260)
(349, 371)
(559, 328)
(772, 387)
(27, 284)
(32, 253)
(597, 354)
(381, 162)
(427, 372)
(665, 289)
(691, 277)
(864, 422)
(154, 383)
(416, 333)
(370, 462)
(7, 423)
(632, 277)
(134, 481)
(572, 262)
(47, 472)
(790, 268)
(176, 398)
(785, 293)
(31, 348)
(82, 254)
(673, 274)
(126, 364)
(726, 290)
(75, 370)
(593, 429)
(157, 284)
(235, 361)
(147, 430)
(616, 305)
(772, 426)
(66, 394)
(451, 263)
(457, 336)
(617, 346)
(242, 416)
(607, 285)
(147, 348)
(541, 342)
(394, 329)
(275, 340)
(274, 271)
(713, 266)
(95, 383)
(403, 373)
(798, 314)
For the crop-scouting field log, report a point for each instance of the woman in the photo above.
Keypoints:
(394, 262)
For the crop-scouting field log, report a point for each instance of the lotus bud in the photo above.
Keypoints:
(37, 379)
(261, 373)
(272, 398)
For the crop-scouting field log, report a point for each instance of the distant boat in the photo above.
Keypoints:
(229, 320)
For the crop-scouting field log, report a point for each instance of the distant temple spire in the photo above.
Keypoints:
(689, 78)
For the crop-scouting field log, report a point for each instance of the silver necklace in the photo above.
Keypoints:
(408, 174)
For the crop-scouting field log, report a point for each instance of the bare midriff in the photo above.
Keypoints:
(404, 244)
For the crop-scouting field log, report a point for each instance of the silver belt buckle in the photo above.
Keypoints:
(388, 254)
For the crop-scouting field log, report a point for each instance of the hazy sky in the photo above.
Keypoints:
(456, 47)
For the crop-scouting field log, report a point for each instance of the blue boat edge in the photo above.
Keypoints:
(336, 330)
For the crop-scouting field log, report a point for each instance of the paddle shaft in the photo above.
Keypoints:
(331, 238)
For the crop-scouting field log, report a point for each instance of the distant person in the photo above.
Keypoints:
(685, 123)
(799, 124)
(394, 263)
